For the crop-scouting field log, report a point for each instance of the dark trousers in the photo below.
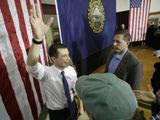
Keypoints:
(63, 114)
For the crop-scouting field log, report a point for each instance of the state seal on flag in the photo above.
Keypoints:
(96, 15)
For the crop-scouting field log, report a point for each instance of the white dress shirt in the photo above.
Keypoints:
(51, 79)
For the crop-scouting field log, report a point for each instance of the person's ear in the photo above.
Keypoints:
(52, 59)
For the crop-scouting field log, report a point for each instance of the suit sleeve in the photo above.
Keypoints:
(135, 76)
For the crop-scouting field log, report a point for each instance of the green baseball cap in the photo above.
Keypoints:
(106, 97)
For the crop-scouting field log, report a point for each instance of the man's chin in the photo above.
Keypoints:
(66, 65)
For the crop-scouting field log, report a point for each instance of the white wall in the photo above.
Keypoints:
(52, 2)
(123, 5)
(155, 6)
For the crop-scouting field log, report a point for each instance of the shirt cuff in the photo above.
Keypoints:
(37, 71)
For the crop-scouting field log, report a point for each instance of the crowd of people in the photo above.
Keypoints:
(111, 95)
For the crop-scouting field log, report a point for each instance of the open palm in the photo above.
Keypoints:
(39, 27)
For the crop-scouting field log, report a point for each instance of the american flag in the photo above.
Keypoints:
(21, 96)
(138, 18)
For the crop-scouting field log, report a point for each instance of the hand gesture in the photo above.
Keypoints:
(39, 27)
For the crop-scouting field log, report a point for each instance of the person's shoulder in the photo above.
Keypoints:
(70, 68)
(132, 57)
(70, 71)
(48, 67)
(131, 54)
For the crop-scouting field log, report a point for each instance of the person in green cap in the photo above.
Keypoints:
(106, 97)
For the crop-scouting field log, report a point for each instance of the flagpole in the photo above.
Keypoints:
(59, 26)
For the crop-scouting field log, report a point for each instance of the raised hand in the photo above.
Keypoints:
(39, 27)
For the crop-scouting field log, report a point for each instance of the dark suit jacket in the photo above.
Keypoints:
(129, 69)
(155, 81)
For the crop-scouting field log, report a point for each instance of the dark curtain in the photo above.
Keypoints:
(122, 18)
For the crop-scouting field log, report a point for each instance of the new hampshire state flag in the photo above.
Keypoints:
(86, 26)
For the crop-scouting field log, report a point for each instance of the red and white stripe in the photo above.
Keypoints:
(4, 113)
(138, 18)
(20, 94)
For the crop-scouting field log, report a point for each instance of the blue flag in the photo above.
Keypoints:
(86, 26)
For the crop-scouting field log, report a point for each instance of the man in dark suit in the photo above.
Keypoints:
(122, 62)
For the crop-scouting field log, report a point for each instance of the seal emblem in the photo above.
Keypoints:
(96, 15)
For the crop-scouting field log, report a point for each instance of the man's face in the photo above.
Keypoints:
(63, 59)
(119, 45)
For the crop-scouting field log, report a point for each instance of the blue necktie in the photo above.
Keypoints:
(67, 94)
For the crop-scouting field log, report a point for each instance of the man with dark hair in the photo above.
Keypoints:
(59, 79)
(53, 49)
(122, 62)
